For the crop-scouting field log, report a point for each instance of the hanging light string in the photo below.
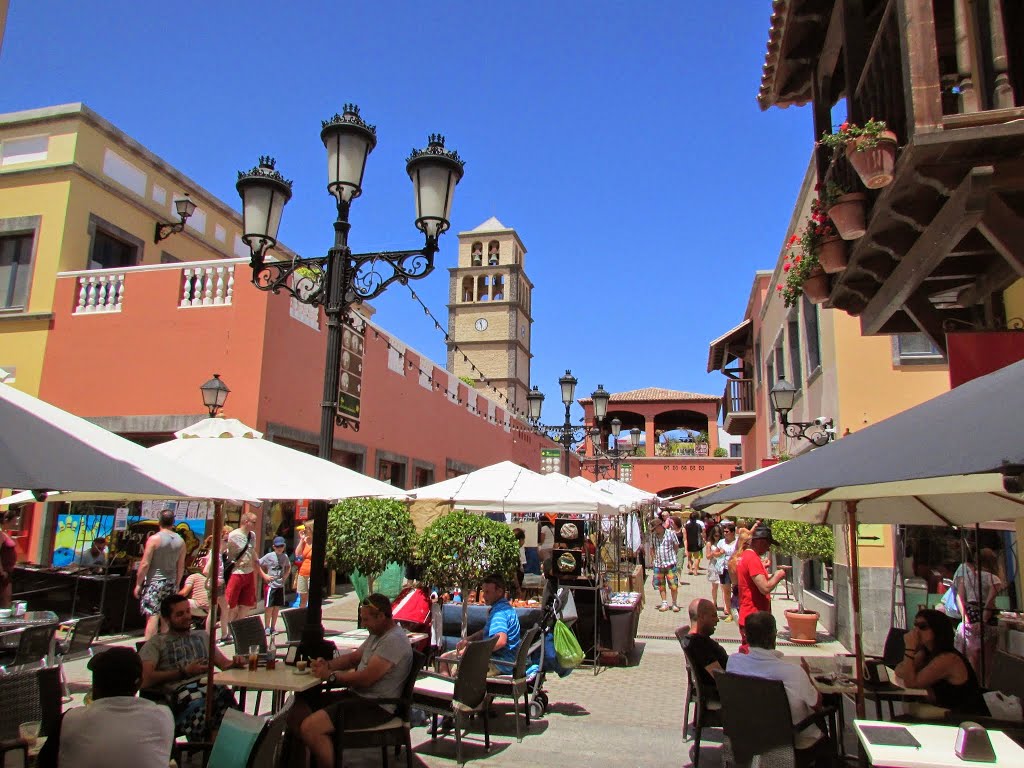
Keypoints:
(399, 349)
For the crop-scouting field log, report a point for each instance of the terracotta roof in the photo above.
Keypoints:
(794, 40)
(656, 395)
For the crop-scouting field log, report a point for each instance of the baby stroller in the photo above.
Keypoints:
(543, 654)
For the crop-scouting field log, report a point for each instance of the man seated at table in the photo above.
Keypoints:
(172, 658)
(95, 556)
(118, 728)
(502, 621)
(375, 670)
(707, 655)
(765, 662)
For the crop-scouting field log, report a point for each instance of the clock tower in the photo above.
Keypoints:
(489, 318)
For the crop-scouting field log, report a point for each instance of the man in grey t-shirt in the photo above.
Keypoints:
(376, 670)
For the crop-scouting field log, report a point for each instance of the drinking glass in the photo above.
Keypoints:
(254, 657)
(29, 732)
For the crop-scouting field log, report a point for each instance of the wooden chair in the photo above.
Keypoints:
(460, 696)
(759, 725)
(393, 733)
(26, 695)
(516, 684)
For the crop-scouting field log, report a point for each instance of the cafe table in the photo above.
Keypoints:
(279, 681)
(936, 750)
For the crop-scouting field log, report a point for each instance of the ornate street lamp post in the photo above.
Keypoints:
(215, 393)
(614, 455)
(565, 433)
(782, 397)
(342, 278)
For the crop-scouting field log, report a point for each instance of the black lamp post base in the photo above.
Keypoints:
(313, 645)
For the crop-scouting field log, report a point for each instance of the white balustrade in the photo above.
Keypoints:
(207, 285)
(307, 314)
(100, 292)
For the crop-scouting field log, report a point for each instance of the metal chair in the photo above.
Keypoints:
(707, 712)
(294, 620)
(517, 683)
(26, 695)
(758, 723)
(393, 733)
(34, 647)
(78, 644)
(460, 696)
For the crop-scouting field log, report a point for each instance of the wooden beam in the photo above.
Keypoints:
(854, 53)
(954, 220)
(833, 43)
(998, 278)
(927, 318)
(1004, 228)
(923, 99)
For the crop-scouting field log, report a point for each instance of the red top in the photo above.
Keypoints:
(752, 599)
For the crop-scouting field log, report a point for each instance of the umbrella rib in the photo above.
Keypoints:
(931, 509)
(1008, 498)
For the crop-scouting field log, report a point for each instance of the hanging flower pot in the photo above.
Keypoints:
(832, 255)
(873, 157)
(816, 286)
(847, 213)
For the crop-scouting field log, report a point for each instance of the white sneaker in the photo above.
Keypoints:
(664, 606)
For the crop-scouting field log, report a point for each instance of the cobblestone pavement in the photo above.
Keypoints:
(623, 716)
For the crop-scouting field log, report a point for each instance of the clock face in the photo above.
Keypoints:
(480, 324)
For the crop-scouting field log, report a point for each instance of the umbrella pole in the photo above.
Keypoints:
(213, 560)
(858, 645)
(981, 599)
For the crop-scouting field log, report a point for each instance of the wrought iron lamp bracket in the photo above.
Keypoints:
(820, 432)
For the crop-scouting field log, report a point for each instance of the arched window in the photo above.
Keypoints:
(467, 289)
(482, 294)
(492, 253)
(497, 288)
(477, 257)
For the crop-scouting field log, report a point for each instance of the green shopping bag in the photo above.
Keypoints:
(567, 647)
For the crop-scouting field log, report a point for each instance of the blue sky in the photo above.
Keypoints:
(622, 141)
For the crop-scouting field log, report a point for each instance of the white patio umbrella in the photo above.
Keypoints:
(232, 450)
(687, 499)
(627, 491)
(46, 449)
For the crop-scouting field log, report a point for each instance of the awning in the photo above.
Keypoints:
(732, 344)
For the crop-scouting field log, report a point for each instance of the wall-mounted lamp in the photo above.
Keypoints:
(215, 393)
(782, 397)
(185, 208)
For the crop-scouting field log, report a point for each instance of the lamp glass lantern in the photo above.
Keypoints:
(600, 397)
(434, 172)
(349, 141)
(634, 437)
(568, 385)
(782, 397)
(185, 207)
(215, 394)
(616, 429)
(535, 401)
(264, 193)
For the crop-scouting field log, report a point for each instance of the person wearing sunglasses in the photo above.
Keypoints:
(931, 662)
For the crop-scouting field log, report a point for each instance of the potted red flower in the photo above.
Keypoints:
(802, 274)
(870, 148)
(847, 210)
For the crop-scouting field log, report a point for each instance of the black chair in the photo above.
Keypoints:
(460, 696)
(82, 633)
(34, 647)
(27, 695)
(393, 733)
(249, 631)
(758, 723)
(294, 620)
(263, 736)
(707, 706)
(517, 683)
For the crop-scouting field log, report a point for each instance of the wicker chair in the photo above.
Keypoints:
(517, 683)
(393, 733)
(34, 647)
(759, 725)
(459, 696)
(707, 707)
(27, 695)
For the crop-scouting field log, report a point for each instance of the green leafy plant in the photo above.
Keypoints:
(460, 548)
(832, 192)
(366, 535)
(867, 136)
(721, 453)
(702, 437)
(468, 380)
(801, 260)
(805, 540)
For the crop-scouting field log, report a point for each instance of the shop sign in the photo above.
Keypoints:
(350, 381)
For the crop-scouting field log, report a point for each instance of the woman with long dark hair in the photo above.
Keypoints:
(931, 662)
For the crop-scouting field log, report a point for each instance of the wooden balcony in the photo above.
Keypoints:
(944, 239)
(738, 415)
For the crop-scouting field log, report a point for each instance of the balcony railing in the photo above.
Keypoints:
(738, 396)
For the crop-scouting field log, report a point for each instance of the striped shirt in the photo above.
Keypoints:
(665, 550)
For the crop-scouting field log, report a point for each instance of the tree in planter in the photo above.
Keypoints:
(720, 452)
(460, 549)
(366, 535)
(805, 540)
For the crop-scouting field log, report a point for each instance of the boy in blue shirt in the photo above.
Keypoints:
(274, 568)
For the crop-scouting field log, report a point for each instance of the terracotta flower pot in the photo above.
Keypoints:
(832, 255)
(803, 627)
(847, 213)
(874, 165)
(816, 286)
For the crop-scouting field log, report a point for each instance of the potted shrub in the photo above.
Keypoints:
(820, 237)
(802, 275)
(847, 210)
(459, 549)
(870, 149)
(367, 535)
(806, 542)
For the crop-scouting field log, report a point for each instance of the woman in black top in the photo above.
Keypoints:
(932, 663)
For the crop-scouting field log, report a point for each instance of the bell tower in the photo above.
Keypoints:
(489, 316)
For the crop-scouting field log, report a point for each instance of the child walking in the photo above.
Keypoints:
(274, 568)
